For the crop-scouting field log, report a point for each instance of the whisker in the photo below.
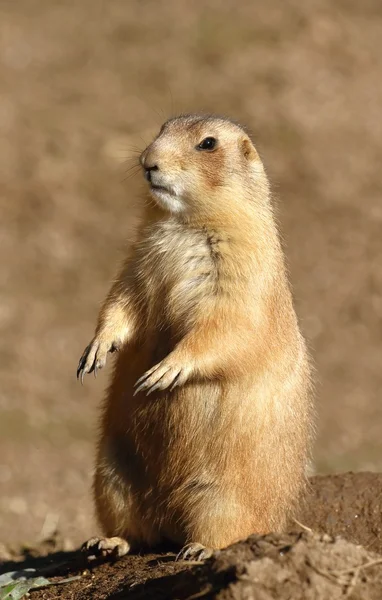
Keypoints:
(132, 148)
(141, 138)
(149, 201)
(130, 176)
(132, 159)
(171, 99)
(133, 167)
(131, 171)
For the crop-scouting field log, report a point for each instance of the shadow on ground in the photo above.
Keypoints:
(309, 559)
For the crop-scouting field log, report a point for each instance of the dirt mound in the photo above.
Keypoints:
(349, 505)
(297, 565)
(302, 564)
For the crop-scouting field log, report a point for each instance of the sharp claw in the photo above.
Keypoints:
(182, 555)
(142, 379)
(147, 374)
(95, 371)
(152, 389)
(79, 368)
(193, 552)
(82, 361)
(139, 389)
(176, 380)
(82, 376)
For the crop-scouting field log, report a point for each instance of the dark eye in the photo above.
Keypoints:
(208, 143)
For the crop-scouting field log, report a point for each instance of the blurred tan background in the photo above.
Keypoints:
(83, 85)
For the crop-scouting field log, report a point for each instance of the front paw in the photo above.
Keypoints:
(165, 374)
(94, 356)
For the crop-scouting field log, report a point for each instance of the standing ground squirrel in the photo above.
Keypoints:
(207, 422)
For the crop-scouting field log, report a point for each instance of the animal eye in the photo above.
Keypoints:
(208, 143)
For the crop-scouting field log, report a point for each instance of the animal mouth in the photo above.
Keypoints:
(159, 188)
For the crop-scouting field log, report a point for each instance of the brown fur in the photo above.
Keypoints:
(205, 295)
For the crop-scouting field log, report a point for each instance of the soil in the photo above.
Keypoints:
(349, 505)
(311, 561)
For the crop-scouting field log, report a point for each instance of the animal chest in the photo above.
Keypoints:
(175, 273)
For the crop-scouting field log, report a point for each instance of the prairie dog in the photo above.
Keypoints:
(207, 422)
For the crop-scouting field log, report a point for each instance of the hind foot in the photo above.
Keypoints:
(114, 547)
(195, 551)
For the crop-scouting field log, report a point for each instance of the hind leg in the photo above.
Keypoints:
(113, 502)
(218, 521)
(116, 511)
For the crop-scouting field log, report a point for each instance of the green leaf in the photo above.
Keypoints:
(13, 576)
(15, 591)
(40, 582)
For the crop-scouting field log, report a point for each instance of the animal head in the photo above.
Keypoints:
(198, 164)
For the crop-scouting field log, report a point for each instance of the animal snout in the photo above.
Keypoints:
(149, 162)
(149, 169)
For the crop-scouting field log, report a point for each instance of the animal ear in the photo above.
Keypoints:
(248, 150)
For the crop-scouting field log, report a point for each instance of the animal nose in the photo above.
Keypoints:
(149, 170)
